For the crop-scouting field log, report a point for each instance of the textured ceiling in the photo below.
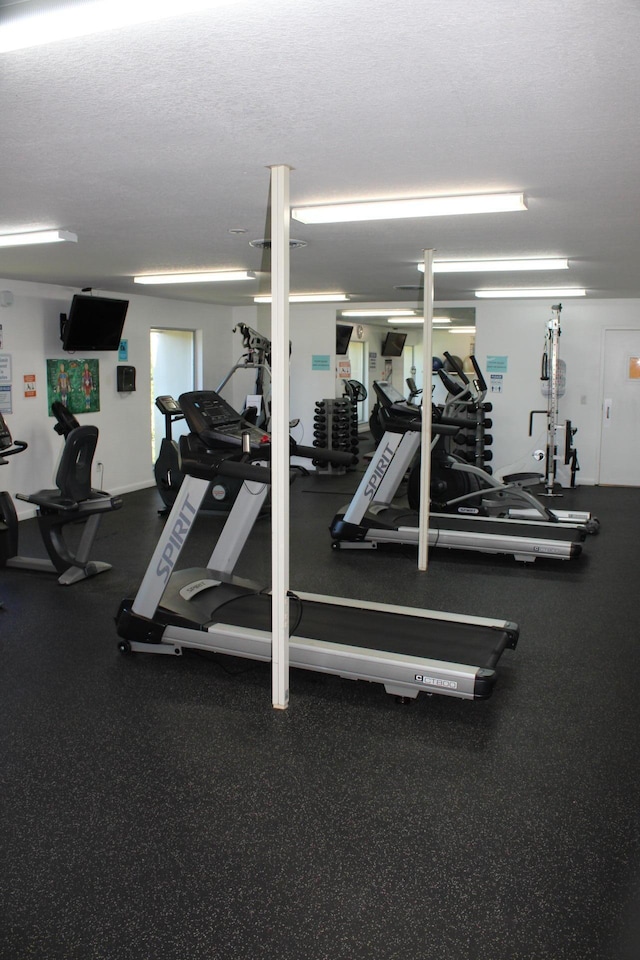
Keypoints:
(152, 143)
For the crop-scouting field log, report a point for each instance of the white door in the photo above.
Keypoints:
(620, 442)
(172, 373)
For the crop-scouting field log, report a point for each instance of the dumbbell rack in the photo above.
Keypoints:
(466, 403)
(473, 441)
(335, 427)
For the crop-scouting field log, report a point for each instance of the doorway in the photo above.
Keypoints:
(357, 353)
(173, 371)
(620, 435)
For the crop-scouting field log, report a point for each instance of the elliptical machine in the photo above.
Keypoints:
(224, 490)
(257, 356)
(73, 501)
(458, 486)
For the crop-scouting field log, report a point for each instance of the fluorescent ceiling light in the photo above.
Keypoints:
(402, 322)
(409, 207)
(497, 266)
(535, 292)
(308, 298)
(461, 330)
(378, 313)
(64, 21)
(217, 276)
(37, 236)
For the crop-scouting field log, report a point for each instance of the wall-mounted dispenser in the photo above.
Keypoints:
(125, 379)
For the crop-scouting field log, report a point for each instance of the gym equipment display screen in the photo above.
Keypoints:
(343, 338)
(94, 323)
(393, 344)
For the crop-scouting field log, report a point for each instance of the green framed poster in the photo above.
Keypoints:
(76, 383)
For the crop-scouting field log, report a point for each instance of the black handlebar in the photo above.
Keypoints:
(457, 368)
(199, 461)
(18, 447)
(342, 457)
(482, 383)
(532, 413)
(244, 470)
(455, 389)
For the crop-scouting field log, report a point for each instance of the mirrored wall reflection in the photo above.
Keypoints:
(391, 340)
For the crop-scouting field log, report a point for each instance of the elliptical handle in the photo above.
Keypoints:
(455, 389)
(482, 384)
(456, 366)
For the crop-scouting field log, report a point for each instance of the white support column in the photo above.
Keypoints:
(280, 435)
(425, 454)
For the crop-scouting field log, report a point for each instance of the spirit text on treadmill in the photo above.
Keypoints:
(437, 682)
(379, 471)
(177, 537)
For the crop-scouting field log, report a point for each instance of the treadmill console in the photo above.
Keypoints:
(217, 423)
(168, 406)
(387, 394)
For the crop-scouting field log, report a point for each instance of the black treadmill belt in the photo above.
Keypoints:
(511, 528)
(448, 641)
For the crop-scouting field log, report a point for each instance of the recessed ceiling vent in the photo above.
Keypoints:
(266, 244)
(408, 286)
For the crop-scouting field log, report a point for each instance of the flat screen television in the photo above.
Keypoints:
(94, 323)
(343, 338)
(393, 344)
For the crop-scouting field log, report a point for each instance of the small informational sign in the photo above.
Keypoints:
(496, 381)
(253, 402)
(29, 385)
(373, 361)
(5, 368)
(6, 403)
(634, 368)
(344, 369)
(123, 350)
(321, 361)
(496, 364)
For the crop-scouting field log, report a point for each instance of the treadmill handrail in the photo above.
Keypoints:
(198, 460)
(404, 417)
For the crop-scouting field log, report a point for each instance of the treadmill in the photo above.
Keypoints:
(407, 650)
(371, 520)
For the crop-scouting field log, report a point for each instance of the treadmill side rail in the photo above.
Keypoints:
(400, 675)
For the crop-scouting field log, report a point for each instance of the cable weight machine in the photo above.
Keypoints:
(554, 376)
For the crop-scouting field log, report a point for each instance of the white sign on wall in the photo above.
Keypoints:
(5, 368)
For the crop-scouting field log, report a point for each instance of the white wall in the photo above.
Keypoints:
(30, 335)
(517, 330)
